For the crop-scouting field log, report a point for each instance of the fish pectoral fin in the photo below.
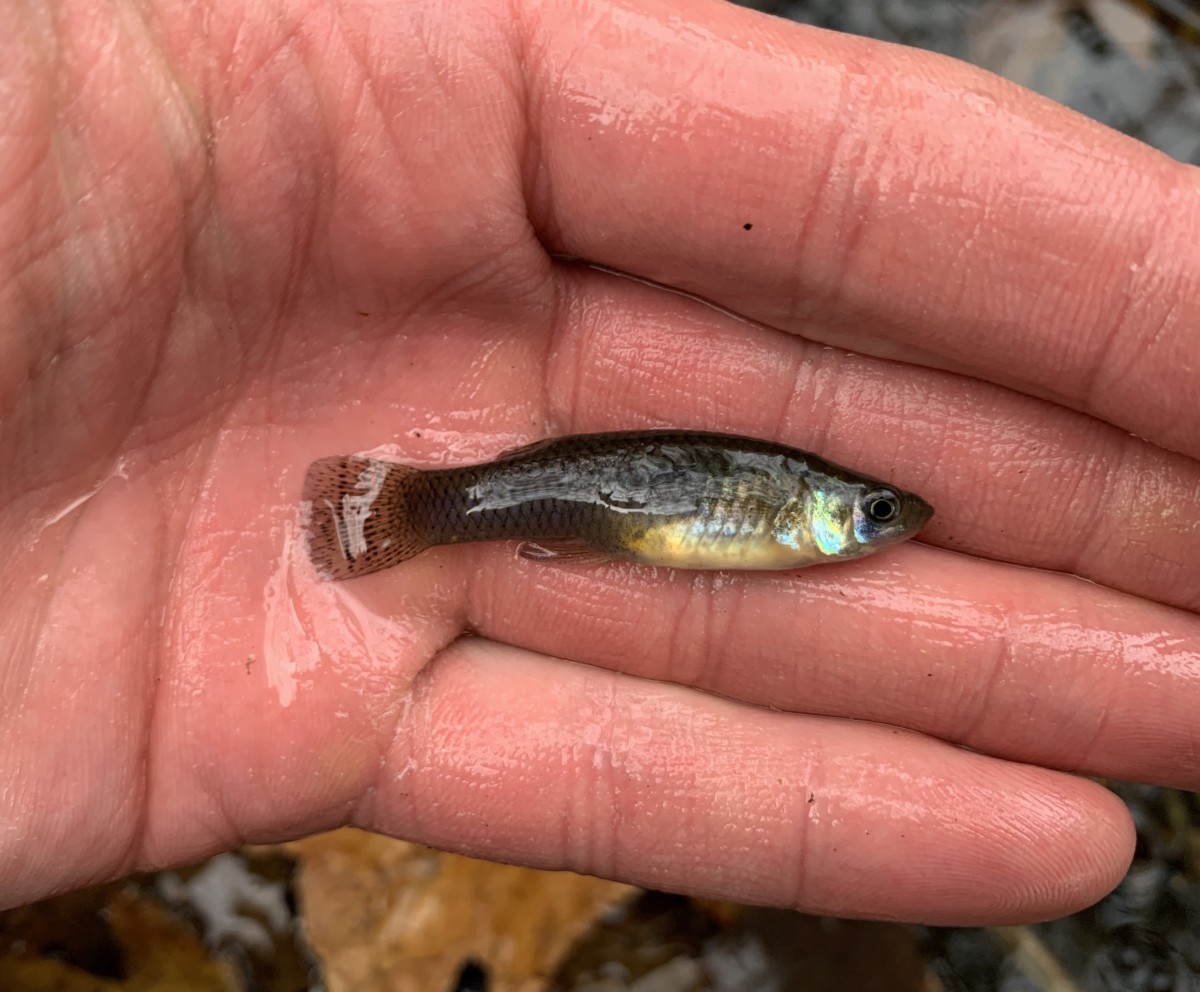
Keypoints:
(565, 552)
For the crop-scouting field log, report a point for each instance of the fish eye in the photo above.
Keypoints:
(882, 506)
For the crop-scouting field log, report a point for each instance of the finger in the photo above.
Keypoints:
(876, 197)
(517, 757)
(1024, 665)
(1010, 477)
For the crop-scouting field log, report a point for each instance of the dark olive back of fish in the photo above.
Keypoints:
(597, 487)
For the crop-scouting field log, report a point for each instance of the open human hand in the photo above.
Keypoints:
(238, 237)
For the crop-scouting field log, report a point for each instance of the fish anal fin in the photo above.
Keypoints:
(565, 552)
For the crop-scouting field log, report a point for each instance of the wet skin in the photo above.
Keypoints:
(231, 246)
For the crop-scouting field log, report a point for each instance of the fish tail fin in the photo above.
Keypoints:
(359, 515)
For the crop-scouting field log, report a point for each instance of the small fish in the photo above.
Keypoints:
(684, 499)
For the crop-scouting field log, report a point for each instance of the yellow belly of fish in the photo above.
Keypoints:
(690, 544)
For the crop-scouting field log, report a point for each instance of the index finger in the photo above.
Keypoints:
(883, 199)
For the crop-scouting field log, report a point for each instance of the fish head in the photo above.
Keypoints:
(841, 519)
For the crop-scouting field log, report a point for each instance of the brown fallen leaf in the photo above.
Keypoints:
(383, 914)
(156, 951)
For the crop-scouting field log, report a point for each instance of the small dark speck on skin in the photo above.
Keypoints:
(250, 659)
(747, 226)
(364, 313)
(811, 799)
(416, 433)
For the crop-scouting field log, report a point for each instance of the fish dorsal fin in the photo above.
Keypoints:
(565, 552)
(525, 449)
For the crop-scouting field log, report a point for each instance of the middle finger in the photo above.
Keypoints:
(1022, 664)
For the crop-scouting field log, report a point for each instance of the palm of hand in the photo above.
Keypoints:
(176, 680)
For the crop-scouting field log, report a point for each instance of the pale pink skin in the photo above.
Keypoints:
(238, 236)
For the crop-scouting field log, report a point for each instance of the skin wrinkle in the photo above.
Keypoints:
(35, 631)
(360, 811)
(539, 191)
(691, 616)
(935, 464)
(551, 331)
(168, 578)
(578, 323)
(982, 219)
(138, 800)
(474, 275)
(78, 579)
(724, 615)
(66, 349)
(1004, 654)
(827, 399)
(1092, 522)
(1011, 649)
(1130, 282)
(790, 394)
(803, 823)
(1143, 284)
(1095, 744)
(293, 291)
(413, 717)
(804, 298)
(43, 359)
(531, 166)
(53, 571)
(288, 37)
(181, 106)
(858, 216)
(23, 174)
(1098, 502)
(801, 677)
(601, 853)
(1102, 346)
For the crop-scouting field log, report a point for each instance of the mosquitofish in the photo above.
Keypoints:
(683, 499)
